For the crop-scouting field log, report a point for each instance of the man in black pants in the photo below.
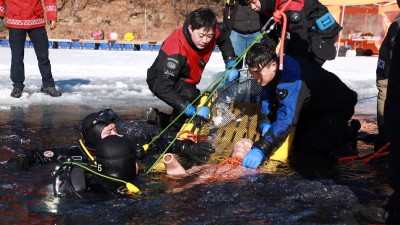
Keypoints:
(382, 74)
(27, 17)
(243, 24)
(392, 132)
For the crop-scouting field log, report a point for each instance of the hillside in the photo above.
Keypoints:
(78, 18)
(156, 19)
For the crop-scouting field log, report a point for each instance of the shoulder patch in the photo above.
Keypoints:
(171, 63)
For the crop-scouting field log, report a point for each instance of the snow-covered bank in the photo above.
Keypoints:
(98, 78)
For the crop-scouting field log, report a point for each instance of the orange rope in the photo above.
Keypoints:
(235, 161)
(349, 158)
(377, 153)
(280, 15)
(368, 158)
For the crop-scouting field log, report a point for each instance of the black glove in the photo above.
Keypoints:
(198, 152)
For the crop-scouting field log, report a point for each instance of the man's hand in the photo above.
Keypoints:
(204, 112)
(253, 158)
(231, 72)
(190, 110)
(233, 75)
(199, 152)
(52, 24)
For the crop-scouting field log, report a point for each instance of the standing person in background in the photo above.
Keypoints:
(180, 63)
(382, 74)
(311, 29)
(392, 132)
(27, 17)
(243, 24)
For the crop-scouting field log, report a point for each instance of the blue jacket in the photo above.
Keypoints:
(301, 91)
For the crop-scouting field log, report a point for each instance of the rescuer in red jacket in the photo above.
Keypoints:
(27, 17)
(181, 61)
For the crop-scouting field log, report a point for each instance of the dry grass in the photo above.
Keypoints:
(148, 20)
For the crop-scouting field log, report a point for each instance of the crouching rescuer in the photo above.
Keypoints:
(305, 97)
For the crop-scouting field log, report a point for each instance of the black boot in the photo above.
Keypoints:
(52, 91)
(16, 92)
(153, 117)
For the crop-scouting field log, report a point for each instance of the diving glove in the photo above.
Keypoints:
(203, 111)
(230, 74)
(199, 152)
(253, 158)
(190, 110)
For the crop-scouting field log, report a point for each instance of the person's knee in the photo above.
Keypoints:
(189, 92)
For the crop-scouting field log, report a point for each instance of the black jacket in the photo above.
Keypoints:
(306, 39)
(239, 16)
(386, 49)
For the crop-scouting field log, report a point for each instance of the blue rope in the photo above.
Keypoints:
(366, 98)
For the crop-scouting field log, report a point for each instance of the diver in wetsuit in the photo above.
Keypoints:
(103, 157)
(115, 156)
(94, 128)
(101, 149)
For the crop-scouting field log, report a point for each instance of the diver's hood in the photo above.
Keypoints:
(91, 133)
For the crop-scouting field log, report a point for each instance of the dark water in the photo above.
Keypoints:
(305, 191)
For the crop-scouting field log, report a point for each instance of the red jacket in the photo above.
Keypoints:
(27, 14)
(177, 44)
(179, 60)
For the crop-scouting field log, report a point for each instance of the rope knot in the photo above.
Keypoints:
(277, 16)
